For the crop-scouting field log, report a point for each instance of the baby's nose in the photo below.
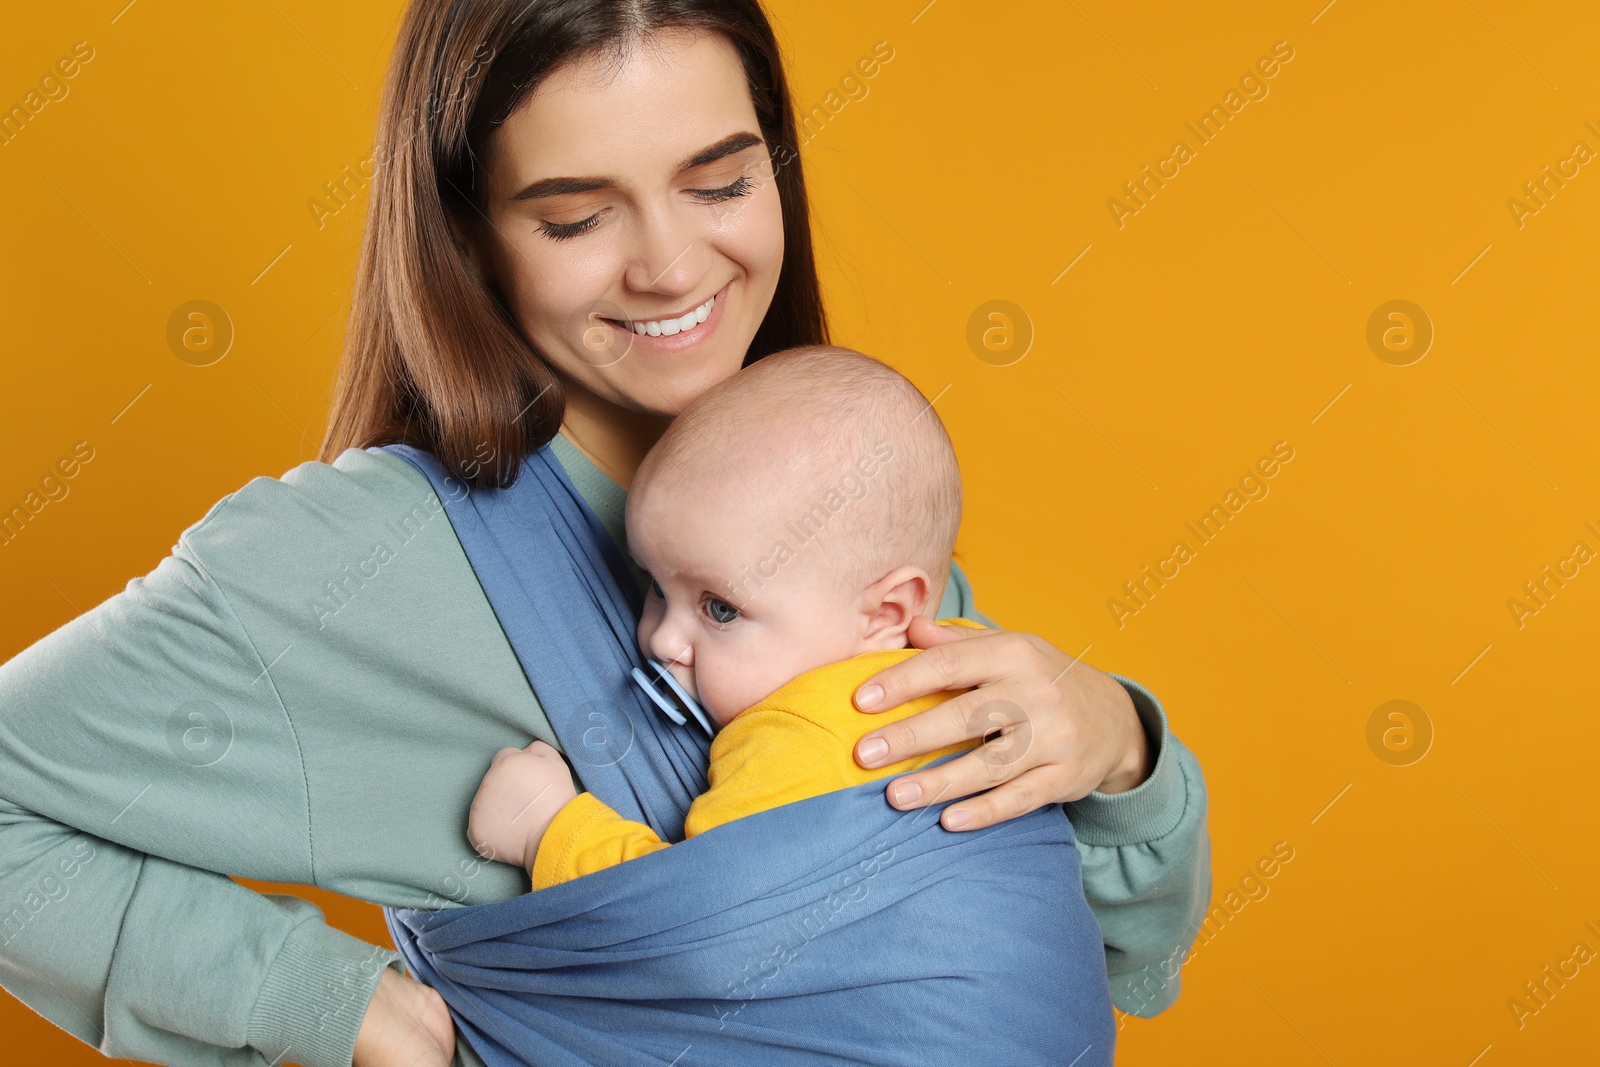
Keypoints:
(670, 649)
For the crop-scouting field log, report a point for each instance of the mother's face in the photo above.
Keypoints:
(637, 195)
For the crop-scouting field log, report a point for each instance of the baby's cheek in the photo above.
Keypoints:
(714, 693)
(725, 688)
(730, 684)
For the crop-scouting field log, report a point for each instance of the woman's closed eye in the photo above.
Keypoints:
(561, 231)
(744, 185)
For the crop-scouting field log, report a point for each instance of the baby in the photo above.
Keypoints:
(793, 520)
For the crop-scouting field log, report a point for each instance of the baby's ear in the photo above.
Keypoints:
(899, 597)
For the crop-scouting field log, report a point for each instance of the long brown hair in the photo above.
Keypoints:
(432, 356)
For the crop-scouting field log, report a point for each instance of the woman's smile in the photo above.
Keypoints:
(674, 333)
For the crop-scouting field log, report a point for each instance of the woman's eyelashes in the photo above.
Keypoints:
(744, 185)
(561, 231)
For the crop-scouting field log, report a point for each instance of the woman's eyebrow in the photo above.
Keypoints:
(734, 142)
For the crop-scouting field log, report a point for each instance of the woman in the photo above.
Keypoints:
(309, 688)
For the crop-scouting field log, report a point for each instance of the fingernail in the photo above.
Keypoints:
(905, 793)
(869, 696)
(956, 818)
(873, 749)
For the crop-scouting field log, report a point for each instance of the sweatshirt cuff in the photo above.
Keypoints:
(315, 996)
(1150, 810)
(552, 863)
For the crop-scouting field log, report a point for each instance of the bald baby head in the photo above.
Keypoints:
(821, 451)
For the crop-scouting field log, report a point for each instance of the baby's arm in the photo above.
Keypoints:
(528, 812)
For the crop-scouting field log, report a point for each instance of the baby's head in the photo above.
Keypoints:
(799, 513)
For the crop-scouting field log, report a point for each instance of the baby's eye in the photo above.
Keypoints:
(720, 611)
(655, 587)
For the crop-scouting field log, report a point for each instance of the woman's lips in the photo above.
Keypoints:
(680, 340)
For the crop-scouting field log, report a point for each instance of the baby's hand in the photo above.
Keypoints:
(520, 795)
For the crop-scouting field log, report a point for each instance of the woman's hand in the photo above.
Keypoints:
(406, 1025)
(1064, 729)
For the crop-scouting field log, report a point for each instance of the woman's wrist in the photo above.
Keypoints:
(1138, 757)
(312, 1000)
(406, 1023)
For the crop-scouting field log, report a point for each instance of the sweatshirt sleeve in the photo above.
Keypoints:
(1146, 853)
(143, 752)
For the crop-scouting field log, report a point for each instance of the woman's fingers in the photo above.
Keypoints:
(963, 718)
(998, 785)
(997, 763)
(1022, 794)
(406, 1025)
(925, 633)
(968, 658)
(435, 1018)
(1025, 763)
(1052, 736)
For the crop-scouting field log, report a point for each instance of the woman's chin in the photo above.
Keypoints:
(668, 393)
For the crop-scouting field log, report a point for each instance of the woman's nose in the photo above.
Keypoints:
(672, 251)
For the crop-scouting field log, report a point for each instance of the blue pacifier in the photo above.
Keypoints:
(665, 703)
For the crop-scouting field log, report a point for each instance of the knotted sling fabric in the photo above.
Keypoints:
(832, 930)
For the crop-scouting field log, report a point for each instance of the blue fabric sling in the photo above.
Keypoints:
(833, 930)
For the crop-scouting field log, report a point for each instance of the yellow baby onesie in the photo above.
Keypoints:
(797, 743)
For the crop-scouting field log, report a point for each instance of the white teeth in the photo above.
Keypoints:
(668, 327)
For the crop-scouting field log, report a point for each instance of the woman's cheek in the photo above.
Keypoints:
(559, 292)
(753, 236)
(772, 233)
(549, 286)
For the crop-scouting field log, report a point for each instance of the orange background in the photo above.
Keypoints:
(1226, 315)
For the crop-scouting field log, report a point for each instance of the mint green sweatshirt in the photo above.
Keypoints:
(309, 690)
